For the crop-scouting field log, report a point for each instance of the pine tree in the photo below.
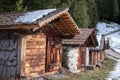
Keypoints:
(115, 10)
(92, 11)
(78, 11)
(11, 5)
(19, 6)
(7, 5)
(1, 5)
(65, 3)
(119, 10)
(108, 9)
(41, 4)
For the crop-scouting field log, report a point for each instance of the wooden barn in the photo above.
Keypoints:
(97, 54)
(31, 42)
(76, 50)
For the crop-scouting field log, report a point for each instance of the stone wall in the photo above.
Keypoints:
(70, 58)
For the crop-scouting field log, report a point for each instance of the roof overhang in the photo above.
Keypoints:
(63, 15)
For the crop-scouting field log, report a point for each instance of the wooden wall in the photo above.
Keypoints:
(34, 54)
(81, 58)
(41, 52)
(28, 54)
(53, 60)
(9, 57)
(97, 57)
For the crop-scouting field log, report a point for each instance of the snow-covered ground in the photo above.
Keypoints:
(115, 75)
(114, 39)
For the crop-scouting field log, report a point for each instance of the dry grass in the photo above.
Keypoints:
(97, 74)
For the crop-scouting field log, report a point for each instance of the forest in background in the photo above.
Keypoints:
(86, 13)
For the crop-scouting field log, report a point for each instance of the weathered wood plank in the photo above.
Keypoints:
(34, 50)
(8, 53)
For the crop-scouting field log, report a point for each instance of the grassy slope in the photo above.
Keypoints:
(97, 74)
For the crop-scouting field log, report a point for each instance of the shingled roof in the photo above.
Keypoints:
(82, 38)
(37, 19)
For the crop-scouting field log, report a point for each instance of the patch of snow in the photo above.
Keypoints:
(30, 17)
(106, 28)
(114, 38)
(99, 38)
(116, 73)
(116, 49)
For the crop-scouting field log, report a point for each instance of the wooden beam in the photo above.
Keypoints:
(67, 26)
(87, 43)
(93, 40)
(58, 29)
(24, 26)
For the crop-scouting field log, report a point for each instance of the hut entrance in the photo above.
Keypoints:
(34, 53)
(90, 58)
(53, 54)
(81, 58)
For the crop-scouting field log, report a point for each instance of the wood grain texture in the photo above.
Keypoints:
(34, 54)
(9, 59)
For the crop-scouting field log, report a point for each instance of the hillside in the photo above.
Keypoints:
(112, 33)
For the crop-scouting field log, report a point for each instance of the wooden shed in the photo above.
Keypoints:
(97, 53)
(76, 50)
(31, 42)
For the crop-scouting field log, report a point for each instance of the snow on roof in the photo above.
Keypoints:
(30, 17)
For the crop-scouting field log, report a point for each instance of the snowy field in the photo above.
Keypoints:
(115, 74)
(114, 39)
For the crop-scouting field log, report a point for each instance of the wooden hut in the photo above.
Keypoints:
(76, 50)
(97, 54)
(31, 42)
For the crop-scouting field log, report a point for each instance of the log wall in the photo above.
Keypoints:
(34, 50)
(9, 57)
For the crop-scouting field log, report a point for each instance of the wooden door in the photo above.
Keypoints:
(53, 54)
(81, 58)
(91, 58)
(95, 58)
(34, 51)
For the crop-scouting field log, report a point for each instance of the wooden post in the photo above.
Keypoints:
(98, 57)
(102, 55)
(95, 58)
